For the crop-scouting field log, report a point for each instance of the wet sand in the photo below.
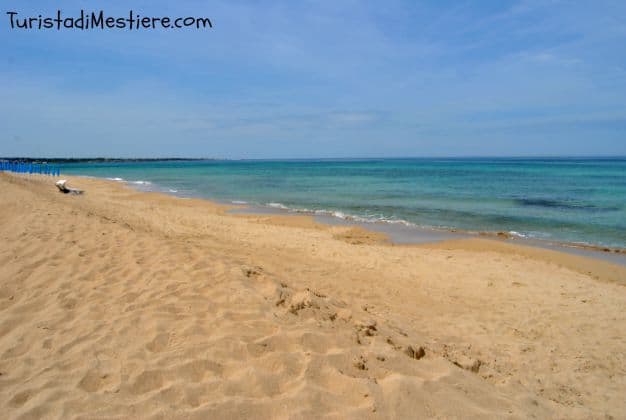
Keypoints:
(123, 304)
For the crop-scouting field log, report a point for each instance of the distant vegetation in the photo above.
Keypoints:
(94, 160)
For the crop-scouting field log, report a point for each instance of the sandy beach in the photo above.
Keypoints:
(123, 304)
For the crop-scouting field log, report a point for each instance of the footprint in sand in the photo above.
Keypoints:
(94, 380)
(159, 343)
(147, 381)
(20, 398)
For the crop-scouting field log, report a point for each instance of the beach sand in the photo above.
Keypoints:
(122, 304)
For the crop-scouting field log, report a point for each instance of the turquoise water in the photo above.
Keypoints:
(567, 200)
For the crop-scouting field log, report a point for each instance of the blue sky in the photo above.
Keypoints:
(320, 79)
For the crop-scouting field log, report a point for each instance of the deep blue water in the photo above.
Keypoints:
(569, 200)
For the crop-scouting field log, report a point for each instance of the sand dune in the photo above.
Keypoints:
(119, 304)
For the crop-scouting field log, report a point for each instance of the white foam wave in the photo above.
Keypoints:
(344, 216)
(340, 215)
(116, 179)
(239, 202)
(517, 234)
(277, 206)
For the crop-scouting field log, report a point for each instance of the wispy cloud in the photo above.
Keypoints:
(322, 79)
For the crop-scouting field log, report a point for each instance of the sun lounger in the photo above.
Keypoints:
(65, 189)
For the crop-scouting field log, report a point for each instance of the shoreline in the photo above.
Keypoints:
(399, 232)
(430, 237)
(573, 256)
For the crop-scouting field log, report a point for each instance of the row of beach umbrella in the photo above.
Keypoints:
(30, 168)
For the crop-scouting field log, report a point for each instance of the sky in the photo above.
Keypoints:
(319, 79)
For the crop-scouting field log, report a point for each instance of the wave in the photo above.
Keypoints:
(529, 235)
(277, 206)
(350, 217)
(118, 179)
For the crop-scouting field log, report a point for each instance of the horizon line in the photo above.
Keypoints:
(174, 158)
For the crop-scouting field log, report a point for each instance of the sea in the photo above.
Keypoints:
(562, 200)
